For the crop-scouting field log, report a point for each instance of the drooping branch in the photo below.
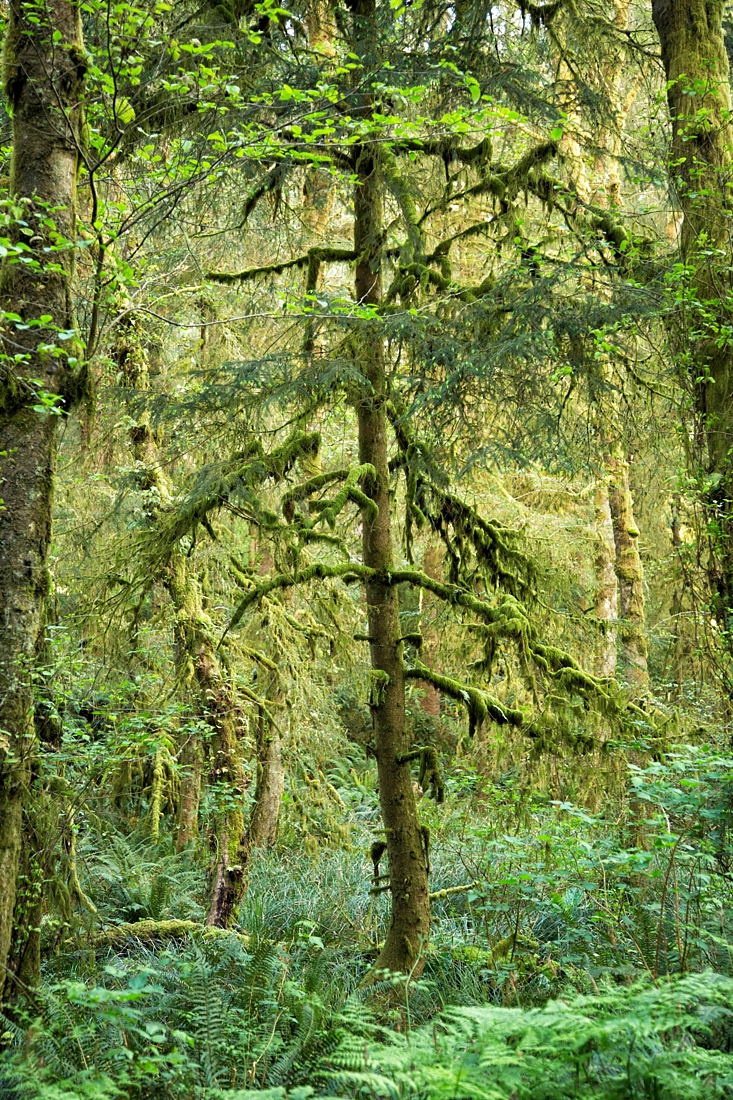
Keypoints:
(479, 704)
(215, 487)
(272, 181)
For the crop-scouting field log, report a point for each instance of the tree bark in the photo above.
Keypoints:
(630, 573)
(698, 94)
(408, 877)
(263, 824)
(192, 766)
(606, 597)
(43, 85)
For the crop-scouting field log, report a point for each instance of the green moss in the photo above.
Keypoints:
(430, 777)
(215, 487)
(479, 704)
(378, 681)
(151, 930)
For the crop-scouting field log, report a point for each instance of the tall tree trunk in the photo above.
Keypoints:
(606, 597)
(630, 573)
(698, 93)
(619, 570)
(408, 877)
(43, 86)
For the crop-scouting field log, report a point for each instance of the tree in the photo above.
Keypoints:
(45, 67)
(698, 94)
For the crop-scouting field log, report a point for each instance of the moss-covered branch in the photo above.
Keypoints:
(313, 255)
(447, 148)
(451, 891)
(401, 191)
(214, 488)
(479, 704)
(329, 510)
(352, 492)
(306, 489)
(430, 777)
(319, 571)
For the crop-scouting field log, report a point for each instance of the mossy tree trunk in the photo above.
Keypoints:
(44, 82)
(606, 595)
(698, 93)
(630, 573)
(197, 666)
(410, 919)
(192, 766)
(270, 784)
(132, 365)
(198, 663)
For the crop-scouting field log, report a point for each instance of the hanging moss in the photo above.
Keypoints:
(215, 486)
(479, 704)
(474, 545)
(378, 682)
(430, 778)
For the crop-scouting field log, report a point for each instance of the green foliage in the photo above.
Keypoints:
(666, 1042)
(218, 1021)
(130, 880)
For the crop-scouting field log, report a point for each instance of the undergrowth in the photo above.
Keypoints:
(587, 956)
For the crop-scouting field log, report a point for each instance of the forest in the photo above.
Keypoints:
(366, 550)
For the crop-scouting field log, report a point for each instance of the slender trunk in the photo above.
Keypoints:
(43, 85)
(198, 666)
(630, 573)
(698, 93)
(410, 921)
(132, 364)
(606, 597)
(618, 565)
(198, 663)
(682, 645)
(196, 649)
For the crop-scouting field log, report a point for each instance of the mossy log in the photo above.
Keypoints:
(150, 931)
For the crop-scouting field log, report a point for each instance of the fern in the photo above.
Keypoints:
(642, 1042)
